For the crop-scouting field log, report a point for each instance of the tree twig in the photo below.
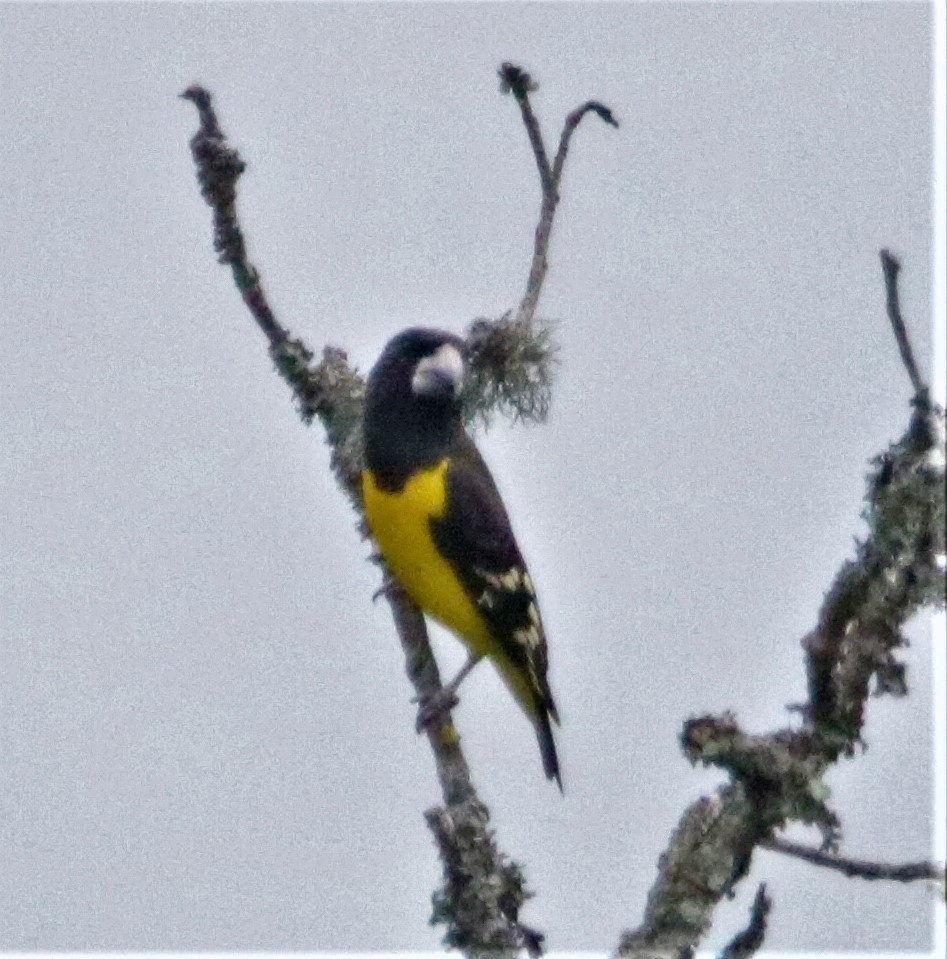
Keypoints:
(891, 267)
(572, 122)
(860, 868)
(517, 81)
(746, 943)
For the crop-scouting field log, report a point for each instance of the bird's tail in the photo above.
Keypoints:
(547, 745)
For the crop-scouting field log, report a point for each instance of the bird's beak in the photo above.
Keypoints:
(440, 375)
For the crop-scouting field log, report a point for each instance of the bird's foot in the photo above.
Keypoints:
(434, 708)
(388, 586)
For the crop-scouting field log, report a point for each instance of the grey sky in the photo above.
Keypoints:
(205, 730)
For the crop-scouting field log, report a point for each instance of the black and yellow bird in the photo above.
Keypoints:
(435, 512)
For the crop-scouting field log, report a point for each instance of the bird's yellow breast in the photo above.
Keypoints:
(401, 525)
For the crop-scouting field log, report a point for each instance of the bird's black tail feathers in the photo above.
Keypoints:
(547, 747)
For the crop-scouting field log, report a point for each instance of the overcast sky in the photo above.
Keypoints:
(206, 738)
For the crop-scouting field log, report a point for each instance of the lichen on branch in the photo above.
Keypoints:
(777, 779)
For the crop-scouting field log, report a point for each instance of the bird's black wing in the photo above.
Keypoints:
(475, 536)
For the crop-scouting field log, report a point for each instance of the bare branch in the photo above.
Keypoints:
(777, 778)
(749, 941)
(511, 359)
(895, 572)
(860, 868)
(483, 891)
(331, 390)
(572, 121)
(773, 779)
(515, 80)
(892, 267)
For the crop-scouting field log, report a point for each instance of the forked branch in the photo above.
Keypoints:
(776, 779)
(510, 371)
(516, 80)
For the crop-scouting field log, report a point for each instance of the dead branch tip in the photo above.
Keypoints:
(747, 942)
(516, 80)
(198, 95)
(603, 112)
(890, 263)
(891, 267)
(202, 99)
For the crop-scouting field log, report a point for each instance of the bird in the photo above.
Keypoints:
(433, 508)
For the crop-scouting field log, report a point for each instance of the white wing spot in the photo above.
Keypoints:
(510, 580)
(489, 578)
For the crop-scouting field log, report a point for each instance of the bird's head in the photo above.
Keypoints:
(420, 365)
(413, 401)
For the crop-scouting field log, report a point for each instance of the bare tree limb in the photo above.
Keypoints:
(516, 80)
(707, 853)
(772, 779)
(483, 890)
(892, 267)
(565, 138)
(749, 941)
(330, 389)
(860, 868)
(777, 778)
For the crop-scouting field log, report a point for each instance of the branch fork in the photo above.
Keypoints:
(510, 363)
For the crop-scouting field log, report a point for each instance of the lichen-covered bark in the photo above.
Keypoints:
(777, 779)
